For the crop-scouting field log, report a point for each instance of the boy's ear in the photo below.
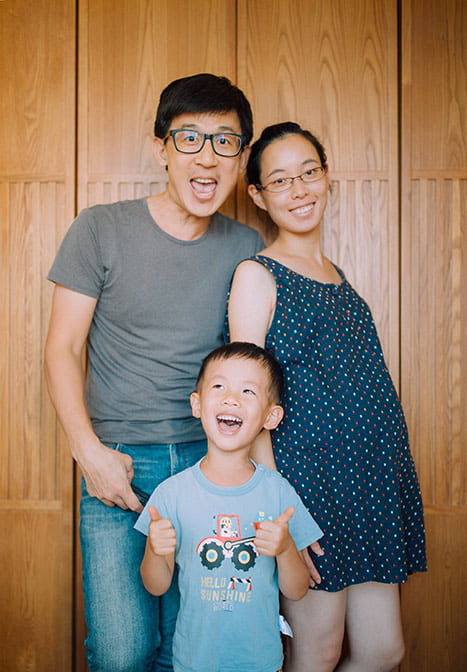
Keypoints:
(256, 196)
(159, 151)
(275, 415)
(195, 405)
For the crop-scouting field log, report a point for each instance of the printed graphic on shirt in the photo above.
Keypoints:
(228, 542)
(231, 541)
(224, 592)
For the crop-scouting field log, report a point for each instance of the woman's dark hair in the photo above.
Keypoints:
(269, 135)
(203, 93)
(244, 350)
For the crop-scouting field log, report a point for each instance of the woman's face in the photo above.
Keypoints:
(300, 208)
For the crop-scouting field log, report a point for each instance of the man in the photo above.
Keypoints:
(143, 284)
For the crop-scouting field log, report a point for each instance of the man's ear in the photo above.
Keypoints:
(159, 151)
(256, 196)
(244, 156)
(195, 405)
(274, 417)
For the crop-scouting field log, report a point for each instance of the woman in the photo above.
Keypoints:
(343, 442)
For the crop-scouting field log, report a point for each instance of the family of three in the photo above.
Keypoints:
(289, 433)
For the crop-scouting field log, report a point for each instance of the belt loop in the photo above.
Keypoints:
(173, 458)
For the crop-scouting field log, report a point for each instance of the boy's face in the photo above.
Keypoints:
(234, 403)
(200, 183)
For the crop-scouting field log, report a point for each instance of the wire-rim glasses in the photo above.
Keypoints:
(285, 183)
(188, 141)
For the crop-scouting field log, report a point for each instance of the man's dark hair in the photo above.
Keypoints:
(245, 350)
(270, 135)
(203, 93)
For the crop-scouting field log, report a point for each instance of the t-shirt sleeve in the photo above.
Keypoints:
(259, 244)
(78, 264)
(160, 501)
(303, 528)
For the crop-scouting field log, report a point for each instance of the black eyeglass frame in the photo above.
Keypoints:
(206, 136)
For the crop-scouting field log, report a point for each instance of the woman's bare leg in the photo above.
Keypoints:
(374, 628)
(317, 621)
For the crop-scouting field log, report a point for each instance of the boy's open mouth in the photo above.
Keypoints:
(229, 423)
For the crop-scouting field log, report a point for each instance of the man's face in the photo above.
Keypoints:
(200, 183)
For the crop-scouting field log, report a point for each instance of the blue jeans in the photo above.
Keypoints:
(129, 630)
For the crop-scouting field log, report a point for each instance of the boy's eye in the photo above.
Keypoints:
(218, 386)
(248, 391)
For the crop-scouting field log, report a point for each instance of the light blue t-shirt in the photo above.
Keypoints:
(229, 593)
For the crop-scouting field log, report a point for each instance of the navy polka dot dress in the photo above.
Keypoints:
(343, 442)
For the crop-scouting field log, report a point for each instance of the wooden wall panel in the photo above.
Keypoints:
(151, 43)
(332, 67)
(37, 76)
(434, 318)
(129, 51)
(434, 609)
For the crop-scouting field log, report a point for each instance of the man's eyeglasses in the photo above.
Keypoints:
(284, 183)
(192, 142)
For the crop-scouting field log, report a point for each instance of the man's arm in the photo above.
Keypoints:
(273, 539)
(157, 567)
(108, 474)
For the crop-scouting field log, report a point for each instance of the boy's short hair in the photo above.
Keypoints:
(203, 93)
(243, 350)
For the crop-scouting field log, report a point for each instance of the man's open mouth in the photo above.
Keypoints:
(203, 186)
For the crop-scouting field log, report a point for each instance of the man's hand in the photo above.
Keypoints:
(162, 536)
(108, 475)
(273, 538)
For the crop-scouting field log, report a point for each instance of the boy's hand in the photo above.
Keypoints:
(162, 536)
(273, 538)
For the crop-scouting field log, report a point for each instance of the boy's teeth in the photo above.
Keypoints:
(229, 419)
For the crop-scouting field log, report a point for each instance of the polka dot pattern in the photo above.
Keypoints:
(343, 442)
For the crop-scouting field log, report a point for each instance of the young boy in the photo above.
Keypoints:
(232, 527)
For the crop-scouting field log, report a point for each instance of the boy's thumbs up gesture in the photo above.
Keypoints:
(161, 535)
(273, 538)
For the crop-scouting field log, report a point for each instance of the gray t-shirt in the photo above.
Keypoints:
(160, 310)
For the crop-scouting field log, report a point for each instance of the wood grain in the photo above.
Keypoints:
(332, 67)
(433, 604)
(36, 604)
(129, 51)
(121, 79)
(434, 336)
(434, 319)
(37, 154)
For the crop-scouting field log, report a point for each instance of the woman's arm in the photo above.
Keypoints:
(261, 451)
(252, 303)
(251, 308)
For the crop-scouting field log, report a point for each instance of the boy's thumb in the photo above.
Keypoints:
(286, 515)
(154, 513)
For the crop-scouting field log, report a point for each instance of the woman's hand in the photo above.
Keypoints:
(315, 547)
